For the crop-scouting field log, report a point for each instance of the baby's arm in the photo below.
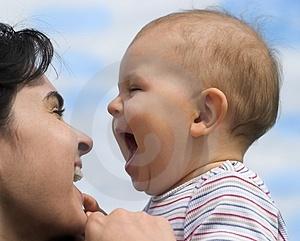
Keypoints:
(232, 208)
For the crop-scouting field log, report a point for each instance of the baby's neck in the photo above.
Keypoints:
(199, 171)
(203, 165)
(202, 159)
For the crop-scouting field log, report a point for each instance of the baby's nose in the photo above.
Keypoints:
(115, 107)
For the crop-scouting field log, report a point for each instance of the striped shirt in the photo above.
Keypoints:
(229, 202)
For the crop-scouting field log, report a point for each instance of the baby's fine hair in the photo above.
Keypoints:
(225, 52)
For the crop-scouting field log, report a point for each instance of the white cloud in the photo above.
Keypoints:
(127, 19)
(273, 152)
(16, 11)
(291, 84)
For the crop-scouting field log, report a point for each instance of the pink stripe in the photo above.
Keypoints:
(176, 218)
(231, 195)
(198, 234)
(222, 178)
(165, 204)
(243, 217)
(232, 176)
(281, 235)
(240, 169)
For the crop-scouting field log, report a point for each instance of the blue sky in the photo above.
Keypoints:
(92, 36)
(75, 20)
(282, 24)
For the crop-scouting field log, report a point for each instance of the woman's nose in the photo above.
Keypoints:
(115, 107)
(85, 143)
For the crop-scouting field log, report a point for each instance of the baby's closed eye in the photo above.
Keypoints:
(134, 88)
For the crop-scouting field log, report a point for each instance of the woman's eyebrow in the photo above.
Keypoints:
(56, 96)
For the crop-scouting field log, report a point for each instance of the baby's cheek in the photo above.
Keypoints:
(158, 143)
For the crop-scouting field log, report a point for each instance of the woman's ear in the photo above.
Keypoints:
(212, 109)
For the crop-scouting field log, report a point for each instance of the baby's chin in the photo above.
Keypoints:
(149, 189)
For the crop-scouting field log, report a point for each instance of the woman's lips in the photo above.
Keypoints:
(77, 171)
(77, 174)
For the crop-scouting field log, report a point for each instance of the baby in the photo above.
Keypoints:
(196, 89)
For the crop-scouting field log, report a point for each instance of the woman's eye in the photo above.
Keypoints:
(59, 111)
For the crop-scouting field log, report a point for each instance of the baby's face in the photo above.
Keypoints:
(152, 116)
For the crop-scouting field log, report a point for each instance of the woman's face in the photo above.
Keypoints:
(37, 162)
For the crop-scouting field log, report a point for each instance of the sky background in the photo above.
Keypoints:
(90, 36)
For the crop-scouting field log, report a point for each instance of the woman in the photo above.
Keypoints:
(40, 154)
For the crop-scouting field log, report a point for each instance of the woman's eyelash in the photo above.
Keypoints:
(59, 112)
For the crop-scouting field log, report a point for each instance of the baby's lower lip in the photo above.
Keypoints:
(130, 160)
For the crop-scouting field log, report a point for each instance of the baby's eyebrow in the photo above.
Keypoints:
(131, 77)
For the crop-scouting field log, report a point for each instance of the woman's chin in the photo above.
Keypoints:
(74, 219)
(79, 220)
(76, 227)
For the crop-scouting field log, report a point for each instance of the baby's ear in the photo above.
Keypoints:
(212, 111)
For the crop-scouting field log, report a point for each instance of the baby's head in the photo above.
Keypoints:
(195, 88)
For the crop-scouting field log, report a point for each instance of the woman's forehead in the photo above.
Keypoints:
(35, 92)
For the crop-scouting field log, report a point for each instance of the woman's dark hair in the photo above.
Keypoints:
(24, 56)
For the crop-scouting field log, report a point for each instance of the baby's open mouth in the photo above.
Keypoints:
(130, 143)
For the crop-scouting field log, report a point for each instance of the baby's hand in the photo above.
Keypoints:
(127, 226)
(90, 204)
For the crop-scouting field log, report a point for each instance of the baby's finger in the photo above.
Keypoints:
(90, 204)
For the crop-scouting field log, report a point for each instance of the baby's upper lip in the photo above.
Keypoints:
(120, 126)
(122, 129)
